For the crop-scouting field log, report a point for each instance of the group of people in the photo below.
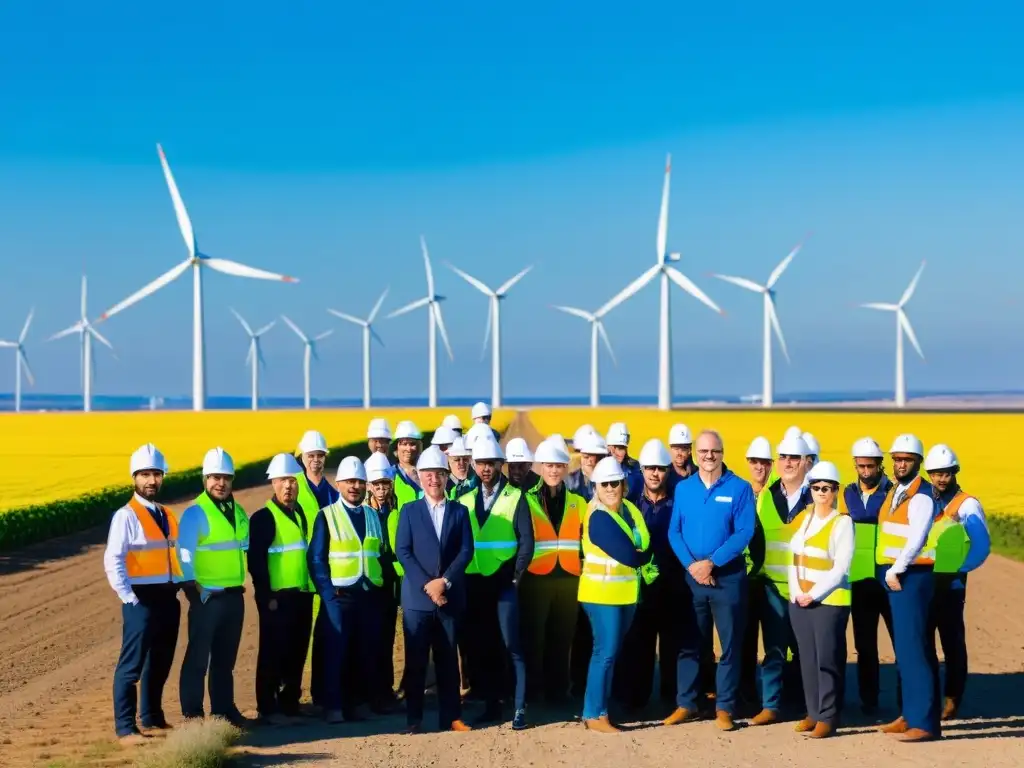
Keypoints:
(528, 582)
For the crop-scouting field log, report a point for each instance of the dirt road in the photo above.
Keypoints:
(61, 633)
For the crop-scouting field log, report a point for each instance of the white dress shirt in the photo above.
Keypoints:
(124, 531)
(920, 515)
(436, 510)
(840, 551)
(489, 496)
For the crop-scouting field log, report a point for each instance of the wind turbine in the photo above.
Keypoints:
(368, 332)
(771, 320)
(667, 273)
(87, 332)
(493, 318)
(255, 356)
(902, 326)
(596, 329)
(20, 360)
(309, 352)
(433, 304)
(198, 261)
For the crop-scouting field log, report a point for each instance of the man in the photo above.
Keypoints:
(408, 445)
(499, 517)
(957, 552)
(519, 460)
(344, 562)
(453, 423)
(435, 546)
(378, 436)
(381, 496)
(814, 456)
(617, 441)
(443, 437)
(906, 571)
(461, 480)
(680, 445)
(863, 500)
(481, 413)
(214, 534)
(657, 623)
(278, 533)
(712, 523)
(592, 448)
(143, 568)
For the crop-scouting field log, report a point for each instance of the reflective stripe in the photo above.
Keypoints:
(223, 546)
(294, 547)
(494, 544)
(895, 552)
(896, 529)
(148, 580)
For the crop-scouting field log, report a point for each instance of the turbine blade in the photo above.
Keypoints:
(471, 280)
(487, 329)
(663, 215)
(265, 328)
(252, 346)
(377, 306)
(430, 272)
(375, 335)
(904, 322)
(76, 328)
(629, 290)
(99, 337)
(777, 327)
(878, 305)
(512, 281)
(913, 285)
(25, 367)
(184, 223)
(436, 308)
(260, 360)
(242, 321)
(742, 282)
(83, 298)
(24, 328)
(577, 312)
(410, 307)
(295, 328)
(147, 290)
(241, 270)
(687, 285)
(607, 343)
(323, 335)
(4, 343)
(350, 318)
(777, 272)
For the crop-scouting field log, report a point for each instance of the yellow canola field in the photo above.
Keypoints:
(986, 444)
(50, 456)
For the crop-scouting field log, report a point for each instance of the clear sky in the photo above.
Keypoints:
(321, 139)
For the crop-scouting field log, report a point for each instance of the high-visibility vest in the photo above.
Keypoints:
(812, 563)
(605, 581)
(865, 539)
(894, 526)
(220, 554)
(561, 548)
(154, 561)
(754, 566)
(286, 557)
(495, 543)
(948, 537)
(777, 536)
(350, 559)
(307, 503)
(404, 493)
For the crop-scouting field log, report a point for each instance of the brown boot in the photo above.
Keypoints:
(724, 721)
(805, 726)
(914, 735)
(949, 709)
(897, 726)
(765, 717)
(821, 731)
(681, 715)
(459, 726)
(601, 725)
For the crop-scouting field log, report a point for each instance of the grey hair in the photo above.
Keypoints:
(713, 433)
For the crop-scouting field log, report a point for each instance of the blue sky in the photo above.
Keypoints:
(321, 141)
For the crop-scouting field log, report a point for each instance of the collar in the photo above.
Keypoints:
(435, 504)
(145, 502)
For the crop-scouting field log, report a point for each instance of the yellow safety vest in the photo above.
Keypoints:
(777, 536)
(220, 554)
(894, 527)
(606, 581)
(754, 567)
(495, 543)
(948, 537)
(404, 493)
(308, 503)
(350, 559)
(286, 557)
(812, 563)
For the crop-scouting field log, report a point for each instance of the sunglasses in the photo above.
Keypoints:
(610, 484)
(822, 488)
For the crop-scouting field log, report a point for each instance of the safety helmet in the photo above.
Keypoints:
(940, 457)
(351, 468)
(146, 457)
(907, 443)
(312, 441)
(432, 458)
(550, 452)
(654, 454)
(283, 465)
(866, 448)
(824, 470)
(608, 470)
(760, 448)
(378, 468)
(517, 451)
(217, 461)
(680, 434)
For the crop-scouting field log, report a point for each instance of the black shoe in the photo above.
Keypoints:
(519, 720)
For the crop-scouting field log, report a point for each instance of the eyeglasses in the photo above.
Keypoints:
(610, 484)
(789, 457)
(710, 452)
(822, 488)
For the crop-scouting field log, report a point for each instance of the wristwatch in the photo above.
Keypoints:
(447, 584)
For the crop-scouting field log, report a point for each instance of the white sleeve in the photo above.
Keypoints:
(973, 518)
(114, 557)
(841, 542)
(794, 581)
(190, 528)
(919, 516)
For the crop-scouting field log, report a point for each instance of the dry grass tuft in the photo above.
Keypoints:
(202, 744)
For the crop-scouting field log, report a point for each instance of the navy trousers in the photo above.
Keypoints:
(284, 643)
(869, 604)
(491, 629)
(214, 632)
(351, 626)
(429, 632)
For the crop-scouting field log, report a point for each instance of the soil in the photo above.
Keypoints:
(61, 634)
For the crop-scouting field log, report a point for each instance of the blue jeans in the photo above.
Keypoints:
(608, 624)
(778, 637)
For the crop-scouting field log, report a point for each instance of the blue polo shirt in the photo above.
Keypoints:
(713, 523)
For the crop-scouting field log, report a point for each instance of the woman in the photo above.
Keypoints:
(819, 588)
(380, 495)
(615, 545)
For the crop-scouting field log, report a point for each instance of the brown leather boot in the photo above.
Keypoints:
(805, 726)
(821, 731)
(724, 721)
(681, 715)
(915, 735)
(765, 717)
(601, 725)
(897, 726)
(949, 709)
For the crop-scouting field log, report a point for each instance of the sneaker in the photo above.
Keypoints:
(519, 720)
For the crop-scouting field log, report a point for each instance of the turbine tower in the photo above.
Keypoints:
(493, 318)
(369, 333)
(667, 273)
(87, 332)
(255, 356)
(435, 323)
(198, 261)
(20, 360)
(596, 329)
(902, 326)
(771, 320)
(310, 351)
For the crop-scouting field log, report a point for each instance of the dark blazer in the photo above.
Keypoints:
(424, 558)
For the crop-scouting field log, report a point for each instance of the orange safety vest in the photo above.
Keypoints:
(894, 527)
(562, 548)
(154, 561)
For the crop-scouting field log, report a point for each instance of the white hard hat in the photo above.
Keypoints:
(443, 436)
(760, 448)
(453, 422)
(379, 428)
(680, 434)
(551, 452)
(217, 461)
(432, 458)
(940, 457)
(618, 434)
(146, 457)
(312, 441)
(792, 445)
(593, 444)
(378, 468)
(516, 450)
(793, 431)
(283, 465)
(558, 440)
(608, 470)
(654, 454)
(351, 468)
(907, 444)
(866, 448)
(407, 430)
(478, 430)
(480, 410)
(812, 444)
(824, 470)
(458, 447)
(580, 434)
(487, 449)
